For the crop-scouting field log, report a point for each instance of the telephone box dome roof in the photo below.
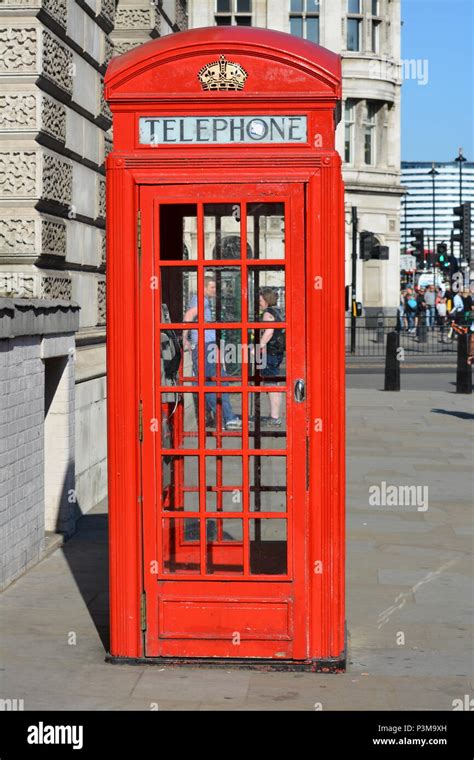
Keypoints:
(289, 64)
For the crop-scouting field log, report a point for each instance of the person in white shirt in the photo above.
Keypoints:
(457, 311)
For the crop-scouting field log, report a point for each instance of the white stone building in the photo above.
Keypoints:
(449, 189)
(367, 35)
(54, 136)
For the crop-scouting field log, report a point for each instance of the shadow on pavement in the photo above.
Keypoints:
(454, 413)
(86, 553)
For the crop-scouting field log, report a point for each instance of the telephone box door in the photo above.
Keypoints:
(223, 419)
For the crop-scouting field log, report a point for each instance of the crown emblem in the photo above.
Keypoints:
(222, 75)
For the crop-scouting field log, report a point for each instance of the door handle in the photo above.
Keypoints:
(300, 391)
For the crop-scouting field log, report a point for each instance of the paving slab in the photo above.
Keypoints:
(408, 572)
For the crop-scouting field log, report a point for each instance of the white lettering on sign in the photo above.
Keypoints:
(174, 130)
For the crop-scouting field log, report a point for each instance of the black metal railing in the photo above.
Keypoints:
(417, 338)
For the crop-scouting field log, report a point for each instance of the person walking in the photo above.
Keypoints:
(190, 342)
(272, 341)
(430, 300)
(411, 308)
(441, 310)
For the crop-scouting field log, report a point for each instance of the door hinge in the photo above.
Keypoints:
(140, 421)
(143, 611)
(139, 236)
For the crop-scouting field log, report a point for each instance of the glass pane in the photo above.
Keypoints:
(178, 288)
(178, 232)
(312, 29)
(179, 420)
(222, 231)
(180, 476)
(296, 6)
(375, 37)
(266, 230)
(267, 483)
(266, 296)
(224, 419)
(223, 471)
(243, 6)
(268, 547)
(243, 20)
(375, 7)
(296, 26)
(347, 144)
(223, 356)
(353, 34)
(353, 6)
(267, 421)
(181, 546)
(223, 20)
(224, 551)
(266, 368)
(176, 359)
(223, 6)
(223, 295)
(368, 145)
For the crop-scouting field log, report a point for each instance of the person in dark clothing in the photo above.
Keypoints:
(272, 340)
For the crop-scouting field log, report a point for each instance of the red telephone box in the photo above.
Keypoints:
(225, 314)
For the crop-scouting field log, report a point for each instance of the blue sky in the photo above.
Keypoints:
(438, 117)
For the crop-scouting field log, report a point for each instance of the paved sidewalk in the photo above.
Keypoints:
(409, 591)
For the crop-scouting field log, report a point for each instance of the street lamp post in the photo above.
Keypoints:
(433, 174)
(405, 201)
(460, 158)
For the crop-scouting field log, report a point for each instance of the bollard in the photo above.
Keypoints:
(380, 330)
(464, 370)
(422, 331)
(392, 362)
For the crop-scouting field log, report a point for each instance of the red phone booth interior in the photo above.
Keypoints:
(225, 317)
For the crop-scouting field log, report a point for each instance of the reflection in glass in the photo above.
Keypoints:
(222, 230)
(179, 418)
(178, 284)
(224, 551)
(266, 294)
(266, 230)
(267, 483)
(181, 546)
(268, 547)
(264, 430)
(224, 296)
(224, 471)
(178, 232)
(180, 475)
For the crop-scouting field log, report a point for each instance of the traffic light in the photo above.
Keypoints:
(442, 258)
(418, 243)
(463, 224)
(367, 242)
(370, 247)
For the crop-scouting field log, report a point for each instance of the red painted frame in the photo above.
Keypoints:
(308, 82)
(284, 590)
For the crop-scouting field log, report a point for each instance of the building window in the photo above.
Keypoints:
(375, 24)
(354, 25)
(304, 19)
(233, 12)
(349, 126)
(370, 123)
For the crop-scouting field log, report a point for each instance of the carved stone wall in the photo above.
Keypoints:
(18, 174)
(101, 310)
(17, 111)
(57, 180)
(17, 235)
(18, 49)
